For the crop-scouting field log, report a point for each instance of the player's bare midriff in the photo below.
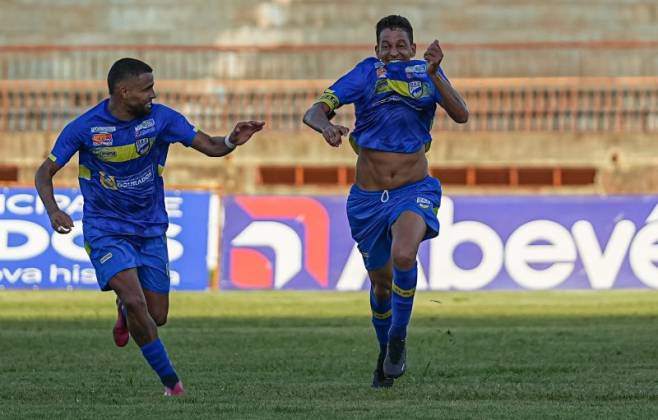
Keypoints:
(376, 170)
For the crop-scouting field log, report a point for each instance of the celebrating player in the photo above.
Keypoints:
(393, 204)
(123, 143)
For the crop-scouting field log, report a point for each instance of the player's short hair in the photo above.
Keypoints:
(395, 22)
(125, 68)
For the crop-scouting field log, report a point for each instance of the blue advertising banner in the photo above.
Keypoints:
(33, 256)
(486, 243)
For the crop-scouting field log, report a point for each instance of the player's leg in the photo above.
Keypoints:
(368, 218)
(127, 287)
(158, 306)
(154, 280)
(111, 254)
(380, 302)
(408, 231)
(143, 329)
(120, 332)
(154, 277)
(380, 305)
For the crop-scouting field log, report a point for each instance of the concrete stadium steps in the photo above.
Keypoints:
(237, 38)
(257, 22)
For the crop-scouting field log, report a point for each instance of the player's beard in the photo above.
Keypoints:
(141, 110)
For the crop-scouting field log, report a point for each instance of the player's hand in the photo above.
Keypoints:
(333, 134)
(61, 222)
(433, 56)
(243, 131)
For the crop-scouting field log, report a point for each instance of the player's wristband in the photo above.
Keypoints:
(228, 143)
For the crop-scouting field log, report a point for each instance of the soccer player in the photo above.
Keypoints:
(123, 143)
(392, 206)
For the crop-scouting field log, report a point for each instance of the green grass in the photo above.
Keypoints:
(310, 355)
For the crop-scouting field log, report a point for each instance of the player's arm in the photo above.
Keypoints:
(43, 181)
(452, 102)
(318, 118)
(223, 145)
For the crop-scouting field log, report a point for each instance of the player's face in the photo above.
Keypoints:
(138, 94)
(394, 45)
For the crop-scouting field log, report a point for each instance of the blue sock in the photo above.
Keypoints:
(381, 319)
(404, 288)
(156, 355)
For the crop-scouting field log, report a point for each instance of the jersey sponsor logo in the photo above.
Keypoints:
(133, 181)
(102, 139)
(104, 153)
(143, 146)
(108, 129)
(137, 180)
(145, 124)
(423, 202)
(416, 89)
(145, 127)
(145, 132)
(415, 71)
(107, 181)
(382, 86)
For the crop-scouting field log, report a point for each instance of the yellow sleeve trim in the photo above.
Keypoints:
(329, 97)
(52, 157)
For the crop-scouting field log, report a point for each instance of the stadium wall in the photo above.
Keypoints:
(289, 162)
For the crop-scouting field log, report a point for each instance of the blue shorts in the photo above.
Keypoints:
(112, 253)
(372, 213)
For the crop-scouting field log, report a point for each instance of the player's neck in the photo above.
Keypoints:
(119, 112)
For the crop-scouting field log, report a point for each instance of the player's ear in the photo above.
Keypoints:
(413, 49)
(121, 89)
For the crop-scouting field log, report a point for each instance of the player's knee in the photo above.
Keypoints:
(404, 259)
(382, 291)
(135, 305)
(159, 319)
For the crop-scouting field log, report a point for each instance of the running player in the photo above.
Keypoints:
(122, 144)
(392, 206)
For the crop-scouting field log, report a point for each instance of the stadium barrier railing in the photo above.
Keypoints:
(498, 105)
(325, 61)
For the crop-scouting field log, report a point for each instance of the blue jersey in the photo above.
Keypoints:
(394, 103)
(121, 165)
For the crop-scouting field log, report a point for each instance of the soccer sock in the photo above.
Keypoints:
(381, 318)
(156, 355)
(404, 288)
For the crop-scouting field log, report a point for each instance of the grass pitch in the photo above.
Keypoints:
(311, 355)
